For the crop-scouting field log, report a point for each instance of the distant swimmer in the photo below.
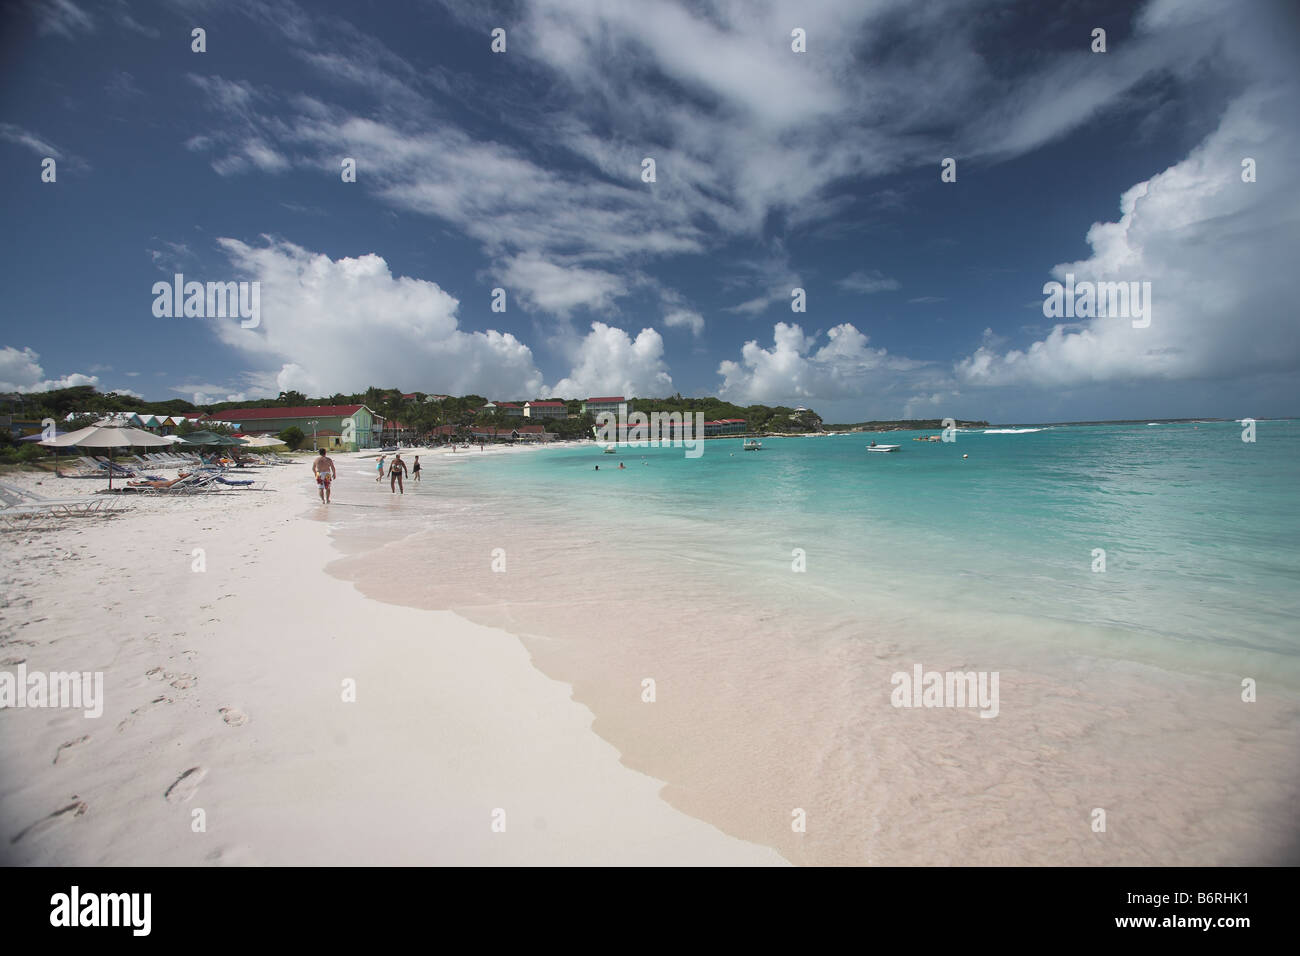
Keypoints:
(621, 466)
(598, 467)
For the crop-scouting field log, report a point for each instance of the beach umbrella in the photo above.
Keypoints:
(212, 438)
(262, 441)
(106, 436)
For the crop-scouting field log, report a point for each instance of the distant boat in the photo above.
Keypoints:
(610, 450)
(753, 444)
(874, 447)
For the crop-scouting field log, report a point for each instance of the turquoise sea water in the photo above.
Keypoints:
(1201, 531)
(1120, 688)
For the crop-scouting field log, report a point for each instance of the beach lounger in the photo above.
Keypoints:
(78, 469)
(20, 508)
(118, 470)
(247, 484)
(85, 504)
(195, 483)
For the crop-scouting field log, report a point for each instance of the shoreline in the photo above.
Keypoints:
(753, 720)
(756, 716)
(243, 718)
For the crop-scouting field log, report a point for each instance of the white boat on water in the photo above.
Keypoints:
(874, 447)
(610, 450)
(753, 444)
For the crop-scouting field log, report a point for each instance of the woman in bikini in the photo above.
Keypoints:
(396, 471)
(158, 484)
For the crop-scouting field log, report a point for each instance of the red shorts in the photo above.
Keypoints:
(322, 481)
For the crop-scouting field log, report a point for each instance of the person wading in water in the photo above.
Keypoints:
(325, 472)
(396, 472)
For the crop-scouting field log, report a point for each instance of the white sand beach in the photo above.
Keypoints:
(224, 693)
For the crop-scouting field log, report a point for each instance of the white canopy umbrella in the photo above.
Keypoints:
(107, 436)
(262, 441)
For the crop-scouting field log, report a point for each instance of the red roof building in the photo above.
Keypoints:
(300, 411)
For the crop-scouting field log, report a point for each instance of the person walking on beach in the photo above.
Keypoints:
(396, 471)
(415, 469)
(380, 476)
(325, 472)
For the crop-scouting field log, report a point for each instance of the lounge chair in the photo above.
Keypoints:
(22, 508)
(246, 483)
(81, 470)
(115, 468)
(198, 482)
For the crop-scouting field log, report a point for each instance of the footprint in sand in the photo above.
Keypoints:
(72, 810)
(232, 856)
(127, 720)
(232, 716)
(155, 673)
(186, 785)
(183, 681)
(66, 746)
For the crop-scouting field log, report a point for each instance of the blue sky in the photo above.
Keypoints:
(521, 170)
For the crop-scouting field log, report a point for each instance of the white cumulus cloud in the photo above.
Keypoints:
(1219, 254)
(544, 285)
(331, 325)
(794, 369)
(21, 371)
(610, 362)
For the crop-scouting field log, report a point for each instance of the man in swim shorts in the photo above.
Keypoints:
(325, 472)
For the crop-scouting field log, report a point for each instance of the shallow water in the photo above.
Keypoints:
(1119, 690)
